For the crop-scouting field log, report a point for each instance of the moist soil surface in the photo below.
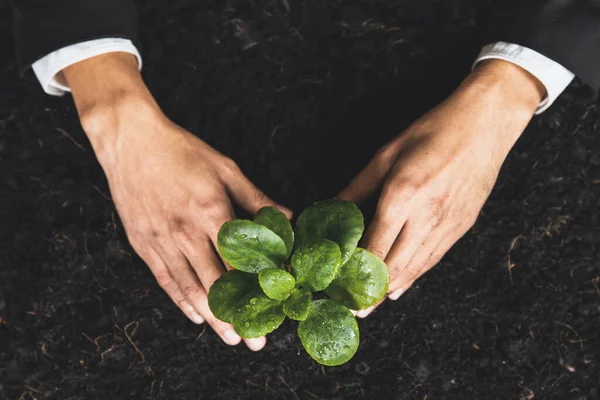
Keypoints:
(301, 94)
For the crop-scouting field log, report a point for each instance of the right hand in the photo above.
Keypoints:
(171, 189)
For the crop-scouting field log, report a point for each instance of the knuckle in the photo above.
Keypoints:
(377, 250)
(412, 272)
(387, 153)
(435, 258)
(207, 204)
(436, 212)
(436, 208)
(395, 194)
(382, 152)
(176, 223)
(468, 221)
(180, 230)
(138, 235)
(260, 197)
(396, 271)
(229, 166)
(472, 219)
(163, 279)
(138, 243)
(216, 216)
(191, 291)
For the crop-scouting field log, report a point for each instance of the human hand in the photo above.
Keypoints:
(437, 175)
(171, 189)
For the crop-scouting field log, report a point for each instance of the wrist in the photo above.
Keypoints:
(501, 96)
(110, 96)
(511, 87)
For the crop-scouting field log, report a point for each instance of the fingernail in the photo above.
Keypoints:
(197, 318)
(231, 338)
(193, 315)
(365, 313)
(256, 344)
(394, 296)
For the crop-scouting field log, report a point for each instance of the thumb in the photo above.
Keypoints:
(251, 198)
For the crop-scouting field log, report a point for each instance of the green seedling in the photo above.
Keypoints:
(277, 271)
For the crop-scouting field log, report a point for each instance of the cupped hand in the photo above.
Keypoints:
(172, 191)
(436, 176)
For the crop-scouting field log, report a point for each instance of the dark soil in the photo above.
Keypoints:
(300, 93)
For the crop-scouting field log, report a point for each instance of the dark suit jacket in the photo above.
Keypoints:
(43, 26)
(566, 31)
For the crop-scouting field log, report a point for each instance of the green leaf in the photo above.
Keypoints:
(276, 221)
(329, 333)
(250, 247)
(315, 264)
(298, 304)
(227, 291)
(361, 282)
(336, 220)
(257, 315)
(276, 283)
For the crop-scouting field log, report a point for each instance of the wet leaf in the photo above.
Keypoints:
(227, 291)
(250, 247)
(276, 283)
(337, 220)
(257, 315)
(315, 264)
(329, 333)
(276, 221)
(361, 282)
(297, 305)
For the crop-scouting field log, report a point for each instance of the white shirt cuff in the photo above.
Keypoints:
(49, 68)
(551, 74)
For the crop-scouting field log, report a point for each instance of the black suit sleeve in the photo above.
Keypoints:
(566, 31)
(44, 26)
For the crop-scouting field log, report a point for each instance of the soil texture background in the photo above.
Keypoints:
(301, 94)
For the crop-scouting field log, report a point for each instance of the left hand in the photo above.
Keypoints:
(437, 175)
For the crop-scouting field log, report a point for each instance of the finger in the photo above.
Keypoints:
(223, 329)
(436, 256)
(166, 282)
(198, 250)
(383, 230)
(370, 178)
(256, 344)
(425, 257)
(413, 236)
(445, 246)
(208, 267)
(251, 198)
(183, 275)
(399, 292)
(367, 311)
(393, 209)
(193, 291)
(214, 223)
